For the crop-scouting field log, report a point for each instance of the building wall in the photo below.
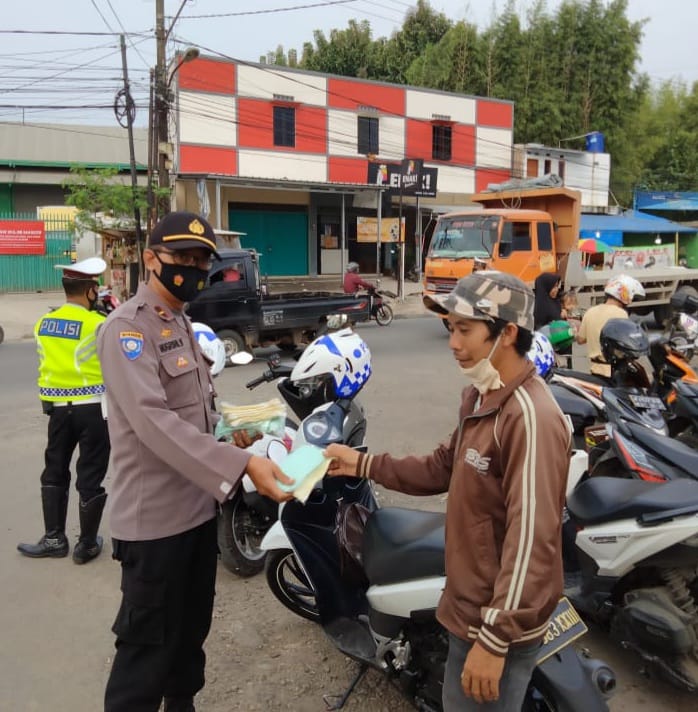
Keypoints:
(225, 126)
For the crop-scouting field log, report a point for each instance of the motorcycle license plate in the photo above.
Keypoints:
(647, 402)
(565, 626)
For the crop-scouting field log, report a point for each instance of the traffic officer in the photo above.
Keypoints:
(71, 390)
(168, 472)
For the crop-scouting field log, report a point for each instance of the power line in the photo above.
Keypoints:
(130, 41)
(268, 11)
(104, 19)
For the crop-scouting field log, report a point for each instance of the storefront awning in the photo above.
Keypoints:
(630, 221)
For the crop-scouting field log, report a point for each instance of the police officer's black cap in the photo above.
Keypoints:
(181, 230)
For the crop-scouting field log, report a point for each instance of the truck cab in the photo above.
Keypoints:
(520, 242)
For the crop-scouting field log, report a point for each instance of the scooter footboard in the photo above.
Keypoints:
(573, 684)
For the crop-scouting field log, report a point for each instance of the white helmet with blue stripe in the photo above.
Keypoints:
(541, 354)
(211, 345)
(342, 358)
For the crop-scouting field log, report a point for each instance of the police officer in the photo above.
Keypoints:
(71, 390)
(168, 472)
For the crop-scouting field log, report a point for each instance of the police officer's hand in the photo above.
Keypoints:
(242, 438)
(266, 476)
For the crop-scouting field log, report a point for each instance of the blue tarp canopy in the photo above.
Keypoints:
(610, 228)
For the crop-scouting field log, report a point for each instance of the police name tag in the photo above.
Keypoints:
(565, 626)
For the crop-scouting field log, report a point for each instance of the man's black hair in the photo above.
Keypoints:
(524, 337)
(78, 287)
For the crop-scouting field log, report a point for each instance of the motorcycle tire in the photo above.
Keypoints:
(2, 335)
(289, 584)
(240, 534)
(384, 315)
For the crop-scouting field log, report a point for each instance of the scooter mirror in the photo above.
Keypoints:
(276, 451)
(241, 358)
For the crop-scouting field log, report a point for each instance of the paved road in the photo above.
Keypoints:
(55, 616)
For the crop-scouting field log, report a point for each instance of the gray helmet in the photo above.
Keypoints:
(352, 267)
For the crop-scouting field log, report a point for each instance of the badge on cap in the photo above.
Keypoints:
(196, 227)
(131, 344)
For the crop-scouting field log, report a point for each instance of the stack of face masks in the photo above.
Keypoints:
(268, 418)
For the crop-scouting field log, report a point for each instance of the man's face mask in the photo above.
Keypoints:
(183, 283)
(483, 375)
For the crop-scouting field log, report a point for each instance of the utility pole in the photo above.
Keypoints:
(127, 112)
(162, 108)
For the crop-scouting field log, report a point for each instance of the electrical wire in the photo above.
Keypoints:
(268, 11)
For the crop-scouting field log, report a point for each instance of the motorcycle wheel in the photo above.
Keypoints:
(2, 335)
(240, 534)
(384, 315)
(290, 585)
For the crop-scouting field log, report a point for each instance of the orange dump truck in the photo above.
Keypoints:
(529, 231)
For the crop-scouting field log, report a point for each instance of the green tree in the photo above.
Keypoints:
(104, 197)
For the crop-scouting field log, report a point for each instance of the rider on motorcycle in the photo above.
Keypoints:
(353, 281)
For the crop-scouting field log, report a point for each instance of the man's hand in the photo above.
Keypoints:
(481, 674)
(266, 476)
(344, 459)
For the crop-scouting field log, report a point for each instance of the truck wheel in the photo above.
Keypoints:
(233, 342)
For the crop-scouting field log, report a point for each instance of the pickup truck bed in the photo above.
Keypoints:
(244, 317)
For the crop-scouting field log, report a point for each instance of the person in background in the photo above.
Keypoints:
(169, 471)
(505, 470)
(231, 274)
(71, 389)
(620, 292)
(353, 281)
(548, 306)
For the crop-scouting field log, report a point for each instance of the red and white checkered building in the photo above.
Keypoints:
(270, 140)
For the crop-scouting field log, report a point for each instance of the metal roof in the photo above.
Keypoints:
(60, 145)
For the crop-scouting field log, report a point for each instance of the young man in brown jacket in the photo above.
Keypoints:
(504, 468)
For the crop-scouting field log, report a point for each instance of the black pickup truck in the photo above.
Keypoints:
(238, 308)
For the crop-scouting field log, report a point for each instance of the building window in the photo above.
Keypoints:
(367, 130)
(441, 142)
(284, 126)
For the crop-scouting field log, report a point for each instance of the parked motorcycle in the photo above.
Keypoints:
(378, 607)
(631, 555)
(245, 519)
(107, 300)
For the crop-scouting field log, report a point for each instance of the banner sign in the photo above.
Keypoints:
(639, 257)
(367, 230)
(411, 175)
(390, 175)
(22, 237)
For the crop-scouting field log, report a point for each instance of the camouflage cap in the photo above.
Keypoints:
(487, 295)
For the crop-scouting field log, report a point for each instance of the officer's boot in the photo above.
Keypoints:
(179, 704)
(89, 545)
(54, 543)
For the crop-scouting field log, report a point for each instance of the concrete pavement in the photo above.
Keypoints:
(20, 311)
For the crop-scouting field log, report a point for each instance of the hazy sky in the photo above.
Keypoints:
(58, 70)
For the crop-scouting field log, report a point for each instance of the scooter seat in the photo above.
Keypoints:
(605, 499)
(667, 448)
(582, 376)
(401, 544)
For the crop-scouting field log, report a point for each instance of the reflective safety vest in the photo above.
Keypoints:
(66, 341)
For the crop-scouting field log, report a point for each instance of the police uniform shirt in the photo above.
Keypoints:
(168, 470)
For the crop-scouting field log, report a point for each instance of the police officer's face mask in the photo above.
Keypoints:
(92, 297)
(183, 283)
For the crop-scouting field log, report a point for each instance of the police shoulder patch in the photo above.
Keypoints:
(131, 344)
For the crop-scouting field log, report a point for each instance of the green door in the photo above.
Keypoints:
(280, 238)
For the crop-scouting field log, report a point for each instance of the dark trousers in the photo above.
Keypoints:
(68, 428)
(165, 615)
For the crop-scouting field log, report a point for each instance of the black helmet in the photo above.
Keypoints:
(623, 340)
